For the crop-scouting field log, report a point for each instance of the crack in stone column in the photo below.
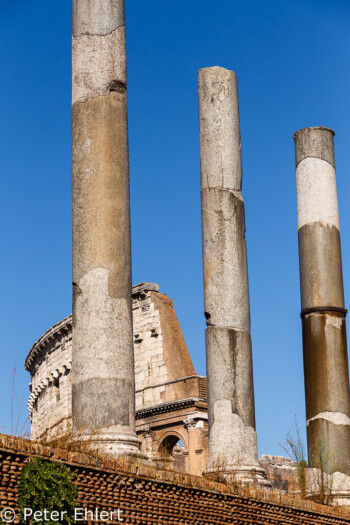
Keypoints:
(232, 434)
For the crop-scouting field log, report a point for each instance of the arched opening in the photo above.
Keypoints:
(171, 453)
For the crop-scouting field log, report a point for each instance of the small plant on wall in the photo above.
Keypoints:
(294, 447)
(45, 486)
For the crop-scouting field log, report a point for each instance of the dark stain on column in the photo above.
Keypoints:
(323, 312)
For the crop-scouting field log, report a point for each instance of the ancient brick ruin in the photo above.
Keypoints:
(148, 496)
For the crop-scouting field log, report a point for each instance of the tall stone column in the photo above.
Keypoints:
(323, 311)
(102, 368)
(232, 434)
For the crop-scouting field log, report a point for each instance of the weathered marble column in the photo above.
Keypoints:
(322, 300)
(102, 368)
(232, 434)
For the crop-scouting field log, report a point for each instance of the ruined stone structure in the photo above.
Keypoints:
(322, 301)
(147, 496)
(171, 406)
(118, 370)
(232, 434)
(103, 389)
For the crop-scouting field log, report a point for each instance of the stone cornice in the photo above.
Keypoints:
(181, 380)
(168, 407)
(143, 288)
(51, 336)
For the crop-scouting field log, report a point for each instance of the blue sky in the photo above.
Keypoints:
(292, 63)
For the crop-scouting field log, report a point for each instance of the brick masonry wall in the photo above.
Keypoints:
(147, 496)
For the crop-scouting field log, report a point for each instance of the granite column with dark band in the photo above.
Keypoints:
(323, 311)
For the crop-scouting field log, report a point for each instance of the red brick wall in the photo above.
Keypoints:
(147, 496)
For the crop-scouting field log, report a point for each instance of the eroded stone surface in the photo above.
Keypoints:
(321, 274)
(102, 322)
(230, 376)
(316, 142)
(97, 17)
(225, 278)
(337, 418)
(219, 129)
(317, 192)
(322, 300)
(232, 435)
(102, 355)
(99, 64)
(239, 439)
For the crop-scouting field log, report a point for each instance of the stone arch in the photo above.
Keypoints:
(169, 454)
(170, 433)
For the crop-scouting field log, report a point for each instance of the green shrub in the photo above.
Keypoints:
(45, 485)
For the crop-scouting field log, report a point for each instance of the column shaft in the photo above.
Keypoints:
(102, 368)
(232, 434)
(326, 369)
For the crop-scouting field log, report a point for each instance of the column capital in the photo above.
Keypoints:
(190, 423)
